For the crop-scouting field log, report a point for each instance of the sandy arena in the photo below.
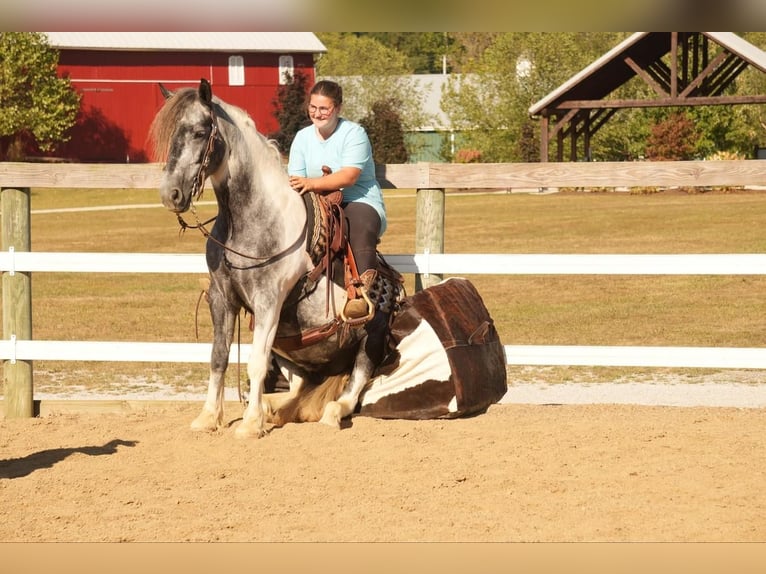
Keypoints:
(518, 473)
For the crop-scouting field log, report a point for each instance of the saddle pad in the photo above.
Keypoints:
(447, 359)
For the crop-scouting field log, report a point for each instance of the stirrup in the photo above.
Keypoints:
(360, 320)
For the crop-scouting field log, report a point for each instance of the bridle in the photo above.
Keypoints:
(199, 181)
(196, 193)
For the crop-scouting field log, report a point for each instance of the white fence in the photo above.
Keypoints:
(465, 264)
(430, 181)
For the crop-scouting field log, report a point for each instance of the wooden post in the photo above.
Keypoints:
(429, 230)
(17, 302)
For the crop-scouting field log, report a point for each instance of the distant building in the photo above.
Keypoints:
(119, 74)
(425, 142)
(428, 141)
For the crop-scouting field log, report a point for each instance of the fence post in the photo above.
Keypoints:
(429, 231)
(17, 302)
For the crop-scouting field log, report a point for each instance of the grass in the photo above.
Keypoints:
(538, 310)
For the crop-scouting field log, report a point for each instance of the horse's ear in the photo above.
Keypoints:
(205, 91)
(167, 94)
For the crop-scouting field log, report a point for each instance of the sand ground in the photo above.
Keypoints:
(517, 473)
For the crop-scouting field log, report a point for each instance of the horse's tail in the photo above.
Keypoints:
(308, 405)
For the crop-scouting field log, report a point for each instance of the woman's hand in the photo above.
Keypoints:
(300, 184)
(304, 184)
(344, 177)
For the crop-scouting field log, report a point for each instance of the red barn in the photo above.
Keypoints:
(118, 75)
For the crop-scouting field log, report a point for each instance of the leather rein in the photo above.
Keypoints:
(196, 193)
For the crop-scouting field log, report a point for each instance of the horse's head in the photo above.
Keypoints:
(185, 135)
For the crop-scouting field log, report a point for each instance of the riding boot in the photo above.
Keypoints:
(358, 307)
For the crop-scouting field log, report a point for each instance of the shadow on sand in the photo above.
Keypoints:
(19, 467)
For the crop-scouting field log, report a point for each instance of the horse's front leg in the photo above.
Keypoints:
(272, 402)
(337, 410)
(211, 417)
(253, 420)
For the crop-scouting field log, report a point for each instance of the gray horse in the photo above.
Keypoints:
(258, 255)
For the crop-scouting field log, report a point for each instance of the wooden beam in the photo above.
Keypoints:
(673, 64)
(81, 175)
(727, 76)
(598, 174)
(697, 81)
(17, 301)
(662, 102)
(644, 75)
(429, 231)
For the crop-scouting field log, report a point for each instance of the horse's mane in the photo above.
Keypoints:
(169, 115)
(166, 120)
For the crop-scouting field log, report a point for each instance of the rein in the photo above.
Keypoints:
(197, 189)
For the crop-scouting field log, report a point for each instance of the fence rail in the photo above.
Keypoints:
(424, 263)
(465, 264)
(430, 180)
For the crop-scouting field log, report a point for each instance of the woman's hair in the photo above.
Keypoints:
(329, 89)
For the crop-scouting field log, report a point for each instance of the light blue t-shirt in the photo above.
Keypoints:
(348, 146)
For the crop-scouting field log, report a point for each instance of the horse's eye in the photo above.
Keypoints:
(200, 134)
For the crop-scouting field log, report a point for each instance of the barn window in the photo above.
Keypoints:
(236, 71)
(285, 69)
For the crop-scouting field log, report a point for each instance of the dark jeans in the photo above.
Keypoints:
(363, 227)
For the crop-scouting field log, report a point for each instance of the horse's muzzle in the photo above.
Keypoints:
(175, 200)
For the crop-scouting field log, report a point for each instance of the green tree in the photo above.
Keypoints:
(751, 82)
(370, 72)
(36, 106)
(384, 127)
(503, 74)
(351, 55)
(426, 52)
(489, 103)
(290, 110)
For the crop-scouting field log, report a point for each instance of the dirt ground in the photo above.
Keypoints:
(515, 473)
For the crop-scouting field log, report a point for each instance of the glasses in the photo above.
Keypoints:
(321, 111)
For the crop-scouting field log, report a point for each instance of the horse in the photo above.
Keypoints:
(258, 255)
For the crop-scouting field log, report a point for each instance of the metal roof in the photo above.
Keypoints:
(188, 41)
(608, 72)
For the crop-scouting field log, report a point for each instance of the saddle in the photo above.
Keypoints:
(332, 245)
(330, 250)
(328, 246)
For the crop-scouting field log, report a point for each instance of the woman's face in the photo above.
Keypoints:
(323, 111)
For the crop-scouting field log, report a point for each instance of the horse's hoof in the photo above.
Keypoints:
(331, 415)
(245, 431)
(206, 421)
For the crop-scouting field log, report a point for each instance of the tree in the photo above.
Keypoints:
(352, 55)
(36, 106)
(384, 127)
(290, 110)
(370, 72)
(426, 52)
(673, 138)
(489, 102)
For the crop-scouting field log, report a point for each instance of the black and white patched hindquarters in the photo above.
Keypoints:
(447, 359)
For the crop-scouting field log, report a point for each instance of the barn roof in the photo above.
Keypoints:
(188, 41)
